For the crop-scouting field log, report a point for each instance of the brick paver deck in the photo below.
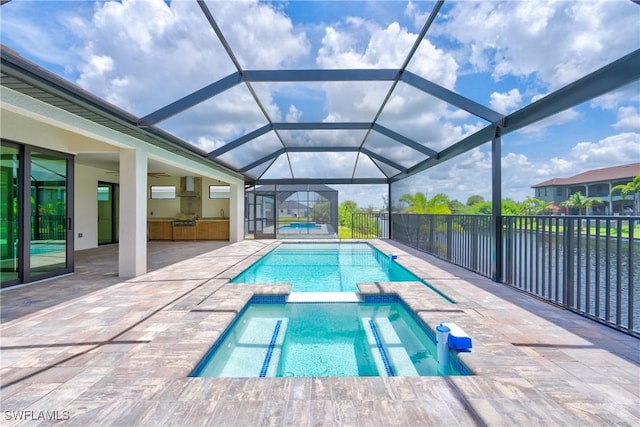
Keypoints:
(92, 349)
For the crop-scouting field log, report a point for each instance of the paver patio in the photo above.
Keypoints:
(92, 349)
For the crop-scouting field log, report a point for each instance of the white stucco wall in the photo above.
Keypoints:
(163, 208)
(86, 206)
(29, 121)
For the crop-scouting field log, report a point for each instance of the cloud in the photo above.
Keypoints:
(470, 173)
(141, 55)
(45, 36)
(506, 102)
(520, 173)
(409, 111)
(161, 52)
(293, 115)
(615, 149)
(557, 42)
(628, 119)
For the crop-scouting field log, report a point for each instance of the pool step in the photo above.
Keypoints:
(257, 349)
(398, 358)
(323, 297)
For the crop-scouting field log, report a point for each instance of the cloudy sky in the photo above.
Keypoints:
(143, 54)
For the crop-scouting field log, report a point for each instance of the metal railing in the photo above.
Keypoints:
(590, 265)
(586, 264)
(370, 225)
(48, 227)
(463, 240)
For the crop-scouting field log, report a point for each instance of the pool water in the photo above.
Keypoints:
(300, 226)
(325, 267)
(324, 340)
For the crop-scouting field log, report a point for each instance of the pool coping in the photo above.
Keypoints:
(276, 296)
(121, 355)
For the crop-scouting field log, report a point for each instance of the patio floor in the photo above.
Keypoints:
(92, 349)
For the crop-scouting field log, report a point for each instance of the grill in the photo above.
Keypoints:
(184, 223)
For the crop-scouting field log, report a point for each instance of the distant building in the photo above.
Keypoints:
(293, 208)
(594, 183)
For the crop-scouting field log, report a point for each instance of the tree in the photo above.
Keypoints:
(632, 187)
(456, 206)
(385, 202)
(345, 212)
(484, 208)
(533, 206)
(580, 202)
(475, 199)
(507, 207)
(420, 204)
(320, 212)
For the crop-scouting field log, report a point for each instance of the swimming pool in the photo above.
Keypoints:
(380, 338)
(325, 267)
(300, 226)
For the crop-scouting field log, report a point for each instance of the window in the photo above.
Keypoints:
(559, 191)
(219, 192)
(163, 191)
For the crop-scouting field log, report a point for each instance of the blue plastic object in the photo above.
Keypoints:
(458, 340)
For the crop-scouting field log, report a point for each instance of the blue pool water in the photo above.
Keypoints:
(300, 226)
(325, 267)
(325, 340)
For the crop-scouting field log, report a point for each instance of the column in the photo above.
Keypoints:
(496, 205)
(236, 214)
(132, 250)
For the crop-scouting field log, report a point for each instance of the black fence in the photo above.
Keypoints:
(589, 265)
(586, 264)
(48, 227)
(370, 225)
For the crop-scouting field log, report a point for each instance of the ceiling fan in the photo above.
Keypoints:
(151, 174)
(156, 174)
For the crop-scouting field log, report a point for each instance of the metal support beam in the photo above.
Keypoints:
(404, 140)
(262, 160)
(390, 210)
(331, 75)
(472, 141)
(450, 97)
(606, 79)
(306, 181)
(238, 142)
(496, 206)
(323, 149)
(322, 126)
(383, 159)
(190, 100)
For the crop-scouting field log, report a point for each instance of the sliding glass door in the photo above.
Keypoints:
(36, 239)
(51, 221)
(108, 208)
(9, 235)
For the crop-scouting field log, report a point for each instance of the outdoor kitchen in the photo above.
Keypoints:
(180, 212)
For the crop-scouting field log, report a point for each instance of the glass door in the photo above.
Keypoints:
(265, 216)
(50, 249)
(9, 200)
(107, 213)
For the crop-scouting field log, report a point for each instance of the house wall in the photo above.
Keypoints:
(28, 121)
(163, 208)
(211, 207)
(86, 206)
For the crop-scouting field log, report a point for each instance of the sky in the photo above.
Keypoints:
(143, 54)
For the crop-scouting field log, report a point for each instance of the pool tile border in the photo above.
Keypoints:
(564, 370)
